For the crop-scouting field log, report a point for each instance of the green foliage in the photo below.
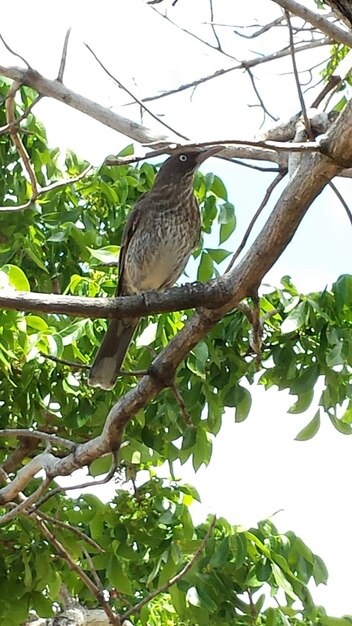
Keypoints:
(337, 53)
(147, 537)
(64, 244)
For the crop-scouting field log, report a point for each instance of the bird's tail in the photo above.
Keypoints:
(112, 351)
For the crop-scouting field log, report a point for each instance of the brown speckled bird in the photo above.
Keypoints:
(160, 234)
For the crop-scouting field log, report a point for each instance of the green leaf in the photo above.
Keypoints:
(311, 429)
(342, 290)
(296, 319)
(108, 254)
(16, 277)
(117, 577)
(303, 402)
(320, 573)
(127, 151)
(342, 427)
(218, 255)
(218, 188)
(205, 268)
(100, 465)
(282, 581)
(220, 554)
(36, 322)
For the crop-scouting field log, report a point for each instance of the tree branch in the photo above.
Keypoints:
(132, 95)
(63, 57)
(243, 65)
(56, 90)
(321, 23)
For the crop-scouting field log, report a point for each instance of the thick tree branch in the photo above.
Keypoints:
(55, 89)
(176, 299)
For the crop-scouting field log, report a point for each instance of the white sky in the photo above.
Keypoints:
(257, 467)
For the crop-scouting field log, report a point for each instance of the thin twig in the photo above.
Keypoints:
(219, 47)
(72, 364)
(193, 35)
(332, 83)
(276, 146)
(93, 571)
(63, 57)
(16, 139)
(181, 403)
(91, 483)
(42, 190)
(257, 33)
(16, 54)
(76, 365)
(257, 331)
(263, 203)
(243, 66)
(175, 579)
(37, 434)
(342, 200)
(135, 98)
(296, 75)
(273, 117)
(72, 529)
(25, 503)
(8, 127)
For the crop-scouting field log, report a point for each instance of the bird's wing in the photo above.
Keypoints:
(129, 230)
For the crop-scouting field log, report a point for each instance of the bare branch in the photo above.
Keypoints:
(321, 23)
(135, 609)
(91, 483)
(188, 32)
(257, 33)
(219, 47)
(72, 364)
(250, 74)
(342, 200)
(37, 434)
(295, 72)
(263, 203)
(135, 98)
(63, 57)
(240, 66)
(55, 89)
(16, 54)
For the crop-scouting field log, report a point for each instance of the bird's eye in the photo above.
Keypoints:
(183, 157)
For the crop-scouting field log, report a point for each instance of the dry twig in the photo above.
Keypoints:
(135, 98)
(63, 57)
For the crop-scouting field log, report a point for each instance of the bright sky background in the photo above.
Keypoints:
(257, 467)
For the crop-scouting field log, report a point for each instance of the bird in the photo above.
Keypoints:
(161, 232)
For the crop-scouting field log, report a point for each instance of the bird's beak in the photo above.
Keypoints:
(208, 152)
